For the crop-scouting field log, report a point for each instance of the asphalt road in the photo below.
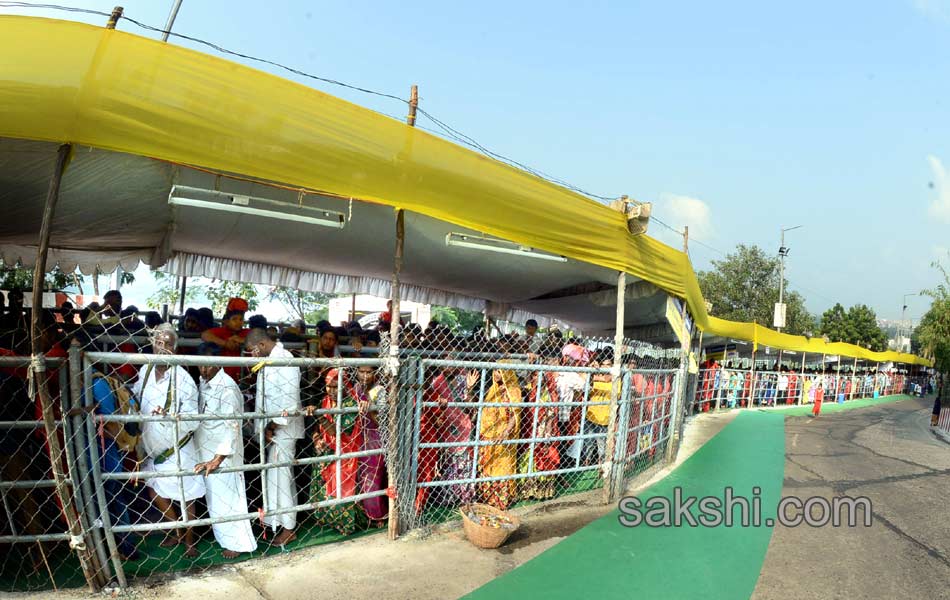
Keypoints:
(887, 454)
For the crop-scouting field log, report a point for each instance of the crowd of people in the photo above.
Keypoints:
(335, 417)
(730, 385)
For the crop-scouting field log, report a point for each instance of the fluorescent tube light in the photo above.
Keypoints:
(476, 242)
(181, 195)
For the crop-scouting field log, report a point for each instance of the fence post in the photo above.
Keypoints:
(97, 476)
(615, 390)
(80, 445)
(854, 378)
(623, 423)
(675, 411)
(752, 387)
(403, 445)
(801, 384)
(392, 366)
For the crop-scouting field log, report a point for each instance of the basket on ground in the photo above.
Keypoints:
(487, 526)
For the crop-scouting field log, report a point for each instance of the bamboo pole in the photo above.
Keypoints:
(752, 387)
(393, 371)
(854, 380)
(78, 542)
(413, 105)
(615, 389)
(801, 383)
(114, 17)
(181, 296)
(394, 325)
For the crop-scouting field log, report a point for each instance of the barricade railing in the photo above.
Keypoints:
(369, 446)
(727, 388)
(336, 474)
(646, 413)
(38, 545)
(524, 432)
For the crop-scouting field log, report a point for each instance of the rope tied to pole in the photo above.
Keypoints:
(77, 543)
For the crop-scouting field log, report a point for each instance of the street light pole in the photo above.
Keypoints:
(783, 252)
(902, 328)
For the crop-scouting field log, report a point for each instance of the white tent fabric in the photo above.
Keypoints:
(114, 211)
(308, 281)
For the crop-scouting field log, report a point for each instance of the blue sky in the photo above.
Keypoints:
(736, 118)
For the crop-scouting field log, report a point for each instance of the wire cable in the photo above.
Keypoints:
(447, 130)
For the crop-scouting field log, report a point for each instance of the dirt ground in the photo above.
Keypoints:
(442, 564)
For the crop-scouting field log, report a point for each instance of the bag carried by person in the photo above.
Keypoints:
(128, 437)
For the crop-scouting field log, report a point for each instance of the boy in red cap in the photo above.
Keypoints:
(231, 334)
(238, 304)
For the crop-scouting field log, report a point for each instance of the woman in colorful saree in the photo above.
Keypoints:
(371, 399)
(350, 517)
(540, 422)
(497, 425)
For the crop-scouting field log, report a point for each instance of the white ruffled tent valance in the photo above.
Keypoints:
(195, 265)
(69, 260)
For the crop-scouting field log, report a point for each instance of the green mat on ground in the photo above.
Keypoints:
(831, 407)
(156, 561)
(607, 560)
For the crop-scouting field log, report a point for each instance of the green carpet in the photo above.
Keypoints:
(153, 559)
(607, 560)
(831, 407)
(157, 560)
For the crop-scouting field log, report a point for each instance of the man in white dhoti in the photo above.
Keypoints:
(221, 445)
(278, 391)
(168, 445)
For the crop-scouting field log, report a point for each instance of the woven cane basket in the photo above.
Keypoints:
(487, 536)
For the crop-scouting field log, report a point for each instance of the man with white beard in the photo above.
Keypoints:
(221, 445)
(278, 391)
(163, 390)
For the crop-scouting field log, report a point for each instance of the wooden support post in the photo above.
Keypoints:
(114, 17)
(413, 105)
(393, 372)
(801, 383)
(615, 391)
(752, 387)
(87, 561)
(392, 366)
(181, 296)
(837, 377)
(854, 378)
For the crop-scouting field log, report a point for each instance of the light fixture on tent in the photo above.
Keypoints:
(477, 242)
(182, 195)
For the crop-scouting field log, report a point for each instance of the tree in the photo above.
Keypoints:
(857, 326)
(458, 320)
(744, 287)
(168, 292)
(833, 323)
(219, 292)
(21, 278)
(312, 307)
(933, 333)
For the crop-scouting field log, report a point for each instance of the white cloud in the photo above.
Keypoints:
(940, 207)
(937, 10)
(678, 210)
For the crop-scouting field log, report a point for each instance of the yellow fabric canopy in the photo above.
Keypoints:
(70, 82)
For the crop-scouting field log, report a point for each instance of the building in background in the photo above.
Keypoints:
(366, 309)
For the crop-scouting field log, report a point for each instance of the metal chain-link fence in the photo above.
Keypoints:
(186, 450)
(722, 387)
